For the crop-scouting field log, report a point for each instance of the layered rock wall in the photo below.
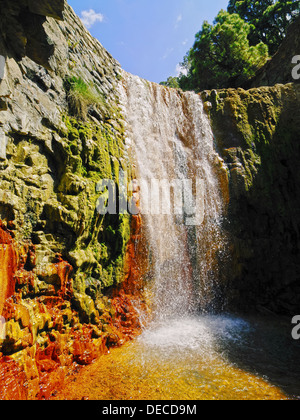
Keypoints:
(257, 134)
(61, 132)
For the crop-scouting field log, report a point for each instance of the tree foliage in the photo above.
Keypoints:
(222, 55)
(172, 82)
(240, 40)
(269, 19)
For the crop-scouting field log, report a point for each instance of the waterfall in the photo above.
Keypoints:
(170, 141)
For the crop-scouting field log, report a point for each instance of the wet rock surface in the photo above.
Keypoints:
(61, 132)
(257, 134)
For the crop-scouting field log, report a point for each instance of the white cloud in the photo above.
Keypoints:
(178, 20)
(90, 17)
(181, 70)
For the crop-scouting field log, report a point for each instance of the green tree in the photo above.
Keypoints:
(269, 19)
(222, 56)
(172, 82)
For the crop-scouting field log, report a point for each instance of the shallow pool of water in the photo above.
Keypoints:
(196, 358)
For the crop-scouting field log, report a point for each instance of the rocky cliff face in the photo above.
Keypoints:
(279, 68)
(23, 31)
(257, 134)
(61, 133)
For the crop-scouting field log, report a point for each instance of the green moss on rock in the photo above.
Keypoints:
(94, 152)
(257, 134)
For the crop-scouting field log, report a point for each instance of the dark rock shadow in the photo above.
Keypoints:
(266, 348)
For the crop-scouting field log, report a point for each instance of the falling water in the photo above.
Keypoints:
(170, 138)
(184, 354)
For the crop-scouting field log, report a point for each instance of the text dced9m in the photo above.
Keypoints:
(171, 410)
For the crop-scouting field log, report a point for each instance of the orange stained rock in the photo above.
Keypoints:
(54, 363)
(128, 299)
(12, 380)
(39, 372)
(64, 271)
(84, 349)
(8, 266)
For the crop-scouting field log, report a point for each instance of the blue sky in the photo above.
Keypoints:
(148, 37)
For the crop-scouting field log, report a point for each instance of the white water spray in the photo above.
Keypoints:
(170, 138)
